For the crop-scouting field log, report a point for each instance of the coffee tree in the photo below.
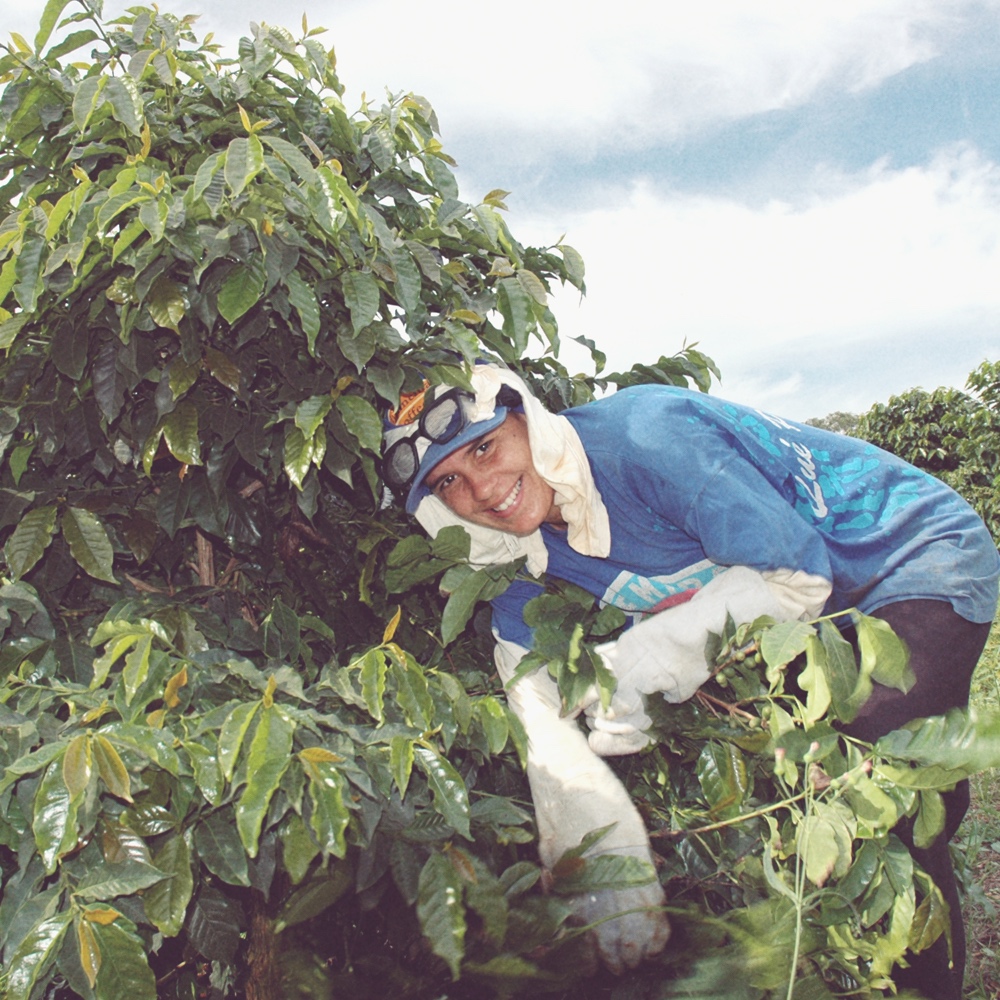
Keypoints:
(248, 748)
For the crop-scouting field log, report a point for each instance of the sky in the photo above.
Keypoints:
(808, 191)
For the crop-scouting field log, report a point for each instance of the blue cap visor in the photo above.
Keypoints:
(438, 452)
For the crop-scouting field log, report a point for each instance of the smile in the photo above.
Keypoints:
(509, 499)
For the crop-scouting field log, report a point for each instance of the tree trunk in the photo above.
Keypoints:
(263, 978)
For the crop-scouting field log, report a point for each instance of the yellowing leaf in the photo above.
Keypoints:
(179, 680)
(320, 755)
(390, 629)
(101, 915)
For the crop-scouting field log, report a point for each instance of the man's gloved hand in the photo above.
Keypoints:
(666, 652)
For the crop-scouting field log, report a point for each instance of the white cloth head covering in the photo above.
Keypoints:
(559, 458)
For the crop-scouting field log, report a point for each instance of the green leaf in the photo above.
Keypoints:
(962, 741)
(493, 719)
(86, 99)
(294, 157)
(451, 798)
(207, 770)
(54, 821)
(298, 456)
(268, 759)
(813, 679)
(461, 603)
(123, 878)
(50, 15)
(824, 841)
(77, 766)
(440, 910)
(601, 872)
(234, 729)
(88, 543)
(722, 773)
(303, 299)
(298, 849)
(401, 762)
(514, 304)
(244, 160)
(33, 956)
(373, 669)
(575, 267)
(165, 302)
(412, 694)
(125, 973)
(136, 668)
(930, 819)
(931, 920)
(180, 431)
(883, 653)
(329, 814)
(780, 644)
(311, 413)
(362, 421)
(220, 847)
(166, 902)
(361, 293)
(317, 895)
(122, 93)
(241, 289)
(841, 672)
(30, 540)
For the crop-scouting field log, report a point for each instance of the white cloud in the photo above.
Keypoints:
(866, 259)
(583, 74)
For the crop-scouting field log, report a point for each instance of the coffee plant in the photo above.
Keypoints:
(248, 748)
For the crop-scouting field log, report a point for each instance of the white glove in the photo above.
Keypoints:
(666, 652)
(574, 792)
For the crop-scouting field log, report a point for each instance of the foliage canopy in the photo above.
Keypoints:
(221, 727)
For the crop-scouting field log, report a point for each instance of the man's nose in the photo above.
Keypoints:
(481, 486)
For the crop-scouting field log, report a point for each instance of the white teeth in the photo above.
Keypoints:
(511, 497)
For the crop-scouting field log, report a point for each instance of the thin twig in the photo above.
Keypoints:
(763, 811)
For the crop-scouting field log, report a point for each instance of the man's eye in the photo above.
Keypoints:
(443, 484)
(484, 446)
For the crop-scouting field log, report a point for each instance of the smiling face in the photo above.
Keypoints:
(492, 481)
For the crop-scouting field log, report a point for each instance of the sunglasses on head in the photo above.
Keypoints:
(441, 420)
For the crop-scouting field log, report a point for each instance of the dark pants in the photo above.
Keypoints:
(944, 649)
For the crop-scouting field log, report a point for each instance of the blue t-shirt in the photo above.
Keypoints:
(694, 484)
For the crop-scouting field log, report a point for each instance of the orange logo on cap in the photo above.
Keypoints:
(411, 405)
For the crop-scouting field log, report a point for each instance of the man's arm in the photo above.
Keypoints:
(575, 792)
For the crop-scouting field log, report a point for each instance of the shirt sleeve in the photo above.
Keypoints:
(508, 612)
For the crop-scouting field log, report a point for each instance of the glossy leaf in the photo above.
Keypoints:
(90, 951)
(123, 878)
(28, 964)
(30, 540)
(440, 910)
(241, 290)
(304, 300)
(374, 668)
(220, 847)
(268, 758)
(451, 798)
(125, 973)
(166, 902)
(180, 431)
(88, 543)
(244, 160)
(884, 653)
(54, 821)
(234, 729)
(77, 766)
(329, 814)
(165, 302)
(362, 420)
(361, 293)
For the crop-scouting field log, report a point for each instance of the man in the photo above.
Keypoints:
(685, 509)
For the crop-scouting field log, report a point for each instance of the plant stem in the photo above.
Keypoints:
(763, 811)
